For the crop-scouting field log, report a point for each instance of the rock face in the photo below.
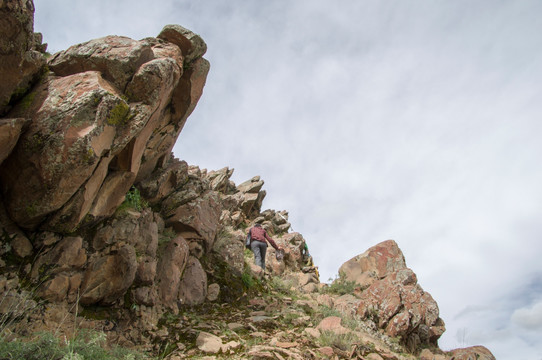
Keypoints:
(108, 113)
(392, 297)
(21, 52)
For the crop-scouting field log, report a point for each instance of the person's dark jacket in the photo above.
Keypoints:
(259, 234)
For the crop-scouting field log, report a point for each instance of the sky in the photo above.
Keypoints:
(368, 120)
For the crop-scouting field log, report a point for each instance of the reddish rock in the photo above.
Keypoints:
(401, 307)
(198, 220)
(333, 324)
(380, 260)
(10, 130)
(472, 353)
(193, 286)
(191, 44)
(171, 266)
(116, 57)
(62, 147)
(108, 277)
(164, 181)
(21, 58)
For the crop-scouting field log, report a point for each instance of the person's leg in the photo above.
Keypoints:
(255, 247)
(263, 250)
(259, 249)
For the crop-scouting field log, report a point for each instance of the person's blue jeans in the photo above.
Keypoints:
(259, 249)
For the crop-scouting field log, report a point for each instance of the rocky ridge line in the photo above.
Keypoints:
(102, 228)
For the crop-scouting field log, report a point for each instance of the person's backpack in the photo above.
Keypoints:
(247, 243)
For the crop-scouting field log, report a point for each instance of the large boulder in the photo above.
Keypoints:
(472, 353)
(21, 57)
(375, 263)
(193, 287)
(392, 297)
(171, 266)
(107, 118)
(109, 276)
(198, 221)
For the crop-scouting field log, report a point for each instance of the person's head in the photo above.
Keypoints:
(258, 225)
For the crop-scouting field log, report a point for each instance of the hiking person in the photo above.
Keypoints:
(257, 238)
(307, 258)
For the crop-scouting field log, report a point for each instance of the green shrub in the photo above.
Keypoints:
(133, 200)
(343, 342)
(87, 345)
(340, 286)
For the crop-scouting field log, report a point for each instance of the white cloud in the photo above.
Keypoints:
(529, 317)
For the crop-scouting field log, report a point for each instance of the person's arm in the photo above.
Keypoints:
(271, 241)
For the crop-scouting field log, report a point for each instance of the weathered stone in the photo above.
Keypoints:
(471, 353)
(20, 63)
(213, 291)
(108, 277)
(146, 271)
(62, 147)
(208, 343)
(10, 130)
(193, 286)
(230, 248)
(198, 220)
(401, 307)
(116, 57)
(191, 44)
(381, 259)
(171, 266)
(21, 246)
(146, 295)
(164, 181)
(184, 98)
(252, 186)
(220, 180)
(333, 324)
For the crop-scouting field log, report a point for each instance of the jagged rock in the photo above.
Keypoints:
(68, 254)
(229, 246)
(108, 277)
(193, 287)
(252, 186)
(472, 353)
(171, 266)
(138, 229)
(401, 307)
(376, 263)
(88, 142)
(21, 58)
(197, 221)
(116, 57)
(191, 44)
(220, 180)
(10, 130)
(164, 181)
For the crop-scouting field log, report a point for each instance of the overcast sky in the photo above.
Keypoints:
(417, 121)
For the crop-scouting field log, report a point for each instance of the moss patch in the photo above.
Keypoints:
(119, 115)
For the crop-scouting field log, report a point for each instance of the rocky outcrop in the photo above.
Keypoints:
(100, 220)
(21, 53)
(108, 113)
(392, 297)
